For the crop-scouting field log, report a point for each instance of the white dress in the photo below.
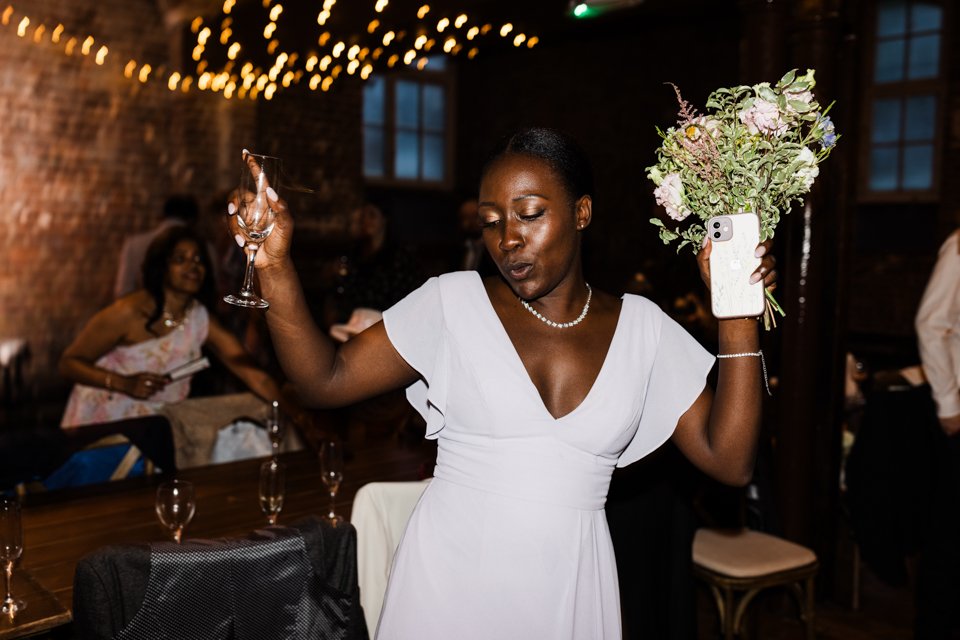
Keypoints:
(510, 539)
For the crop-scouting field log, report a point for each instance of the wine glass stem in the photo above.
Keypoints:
(272, 519)
(7, 579)
(178, 535)
(333, 502)
(247, 290)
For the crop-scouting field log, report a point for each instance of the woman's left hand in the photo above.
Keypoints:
(765, 271)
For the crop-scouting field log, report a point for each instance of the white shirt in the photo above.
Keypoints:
(938, 329)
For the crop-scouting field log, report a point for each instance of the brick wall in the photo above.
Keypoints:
(88, 156)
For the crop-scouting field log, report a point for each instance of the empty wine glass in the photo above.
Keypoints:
(255, 217)
(275, 429)
(273, 476)
(11, 546)
(176, 505)
(331, 469)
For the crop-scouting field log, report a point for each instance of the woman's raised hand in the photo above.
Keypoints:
(765, 271)
(275, 249)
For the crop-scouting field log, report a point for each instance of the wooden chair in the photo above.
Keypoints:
(739, 564)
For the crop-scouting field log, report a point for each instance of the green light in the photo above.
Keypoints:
(581, 10)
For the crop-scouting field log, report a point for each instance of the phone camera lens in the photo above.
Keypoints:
(716, 225)
(716, 234)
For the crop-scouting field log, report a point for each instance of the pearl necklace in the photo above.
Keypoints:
(560, 325)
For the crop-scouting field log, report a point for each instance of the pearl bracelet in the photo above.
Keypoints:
(754, 354)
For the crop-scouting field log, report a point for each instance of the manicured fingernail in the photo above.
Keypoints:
(761, 250)
(239, 240)
(272, 194)
(253, 246)
(755, 278)
(245, 154)
(706, 239)
(231, 209)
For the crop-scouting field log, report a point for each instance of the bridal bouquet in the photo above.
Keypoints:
(756, 149)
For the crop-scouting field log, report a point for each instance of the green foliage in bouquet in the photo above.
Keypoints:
(756, 149)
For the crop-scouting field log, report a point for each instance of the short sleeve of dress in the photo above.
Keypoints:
(415, 326)
(677, 378)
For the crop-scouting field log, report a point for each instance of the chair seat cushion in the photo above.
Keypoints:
(747, 554)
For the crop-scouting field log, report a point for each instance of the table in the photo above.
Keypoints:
(59, 530)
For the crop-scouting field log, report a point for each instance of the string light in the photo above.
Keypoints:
(289, 68)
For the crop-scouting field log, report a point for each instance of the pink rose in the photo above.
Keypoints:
(763, 117)
(670, 195)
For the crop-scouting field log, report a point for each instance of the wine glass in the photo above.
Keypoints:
(176, 505)
(275, 429)
(11, 546)
(331, 469)
(273, 476)
(255, 218)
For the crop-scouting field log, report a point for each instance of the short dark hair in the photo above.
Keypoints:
(156, 263)
(558, 150)
(181, 206)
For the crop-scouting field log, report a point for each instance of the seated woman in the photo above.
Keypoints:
(121, 359)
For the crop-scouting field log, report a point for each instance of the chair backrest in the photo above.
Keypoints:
(380, 514)
(279, 582)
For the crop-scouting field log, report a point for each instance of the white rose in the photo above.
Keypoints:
(809, 170)
(670, 195)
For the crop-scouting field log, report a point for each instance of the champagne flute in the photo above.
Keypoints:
(275, 428)
(255, 218)
(331, 469)
(11, 546)
(272, 480)
(175, 506)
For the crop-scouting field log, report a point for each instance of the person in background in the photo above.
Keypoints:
(938, 334)
(121, 358)
(378, 272)
(177, 210)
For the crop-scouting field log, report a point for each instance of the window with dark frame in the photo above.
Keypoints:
(406, 127)
(904, 102)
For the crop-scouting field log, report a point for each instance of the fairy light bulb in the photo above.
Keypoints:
(421, 63)
(519, 39)
(325, 85)
(7, 13)
(70, 46)
(366, 71)
(128, 69)
(460, 21)
(409, 56)
(57, 32)
(388, 38)
(268, 30)
(423, 11)
(472, 32)
(203, 36)
(173, 81)
(443, 24)
(381, 5)
(86, 46)
(373, 26)
(144, 73)
(338, 49)
(532, 42)
(275, 12)
(325, 62)
(225, 36)
(196, 24)
(38, 33)
(186, 84)
(101, 55)
(505, 29)
(233, 51)
(315, 82)
(392, 60)
(311, 63)
(352, 53)
(449, 44)
(228, 6)
(22, 27)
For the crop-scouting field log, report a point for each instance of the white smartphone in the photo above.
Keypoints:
(735, 238)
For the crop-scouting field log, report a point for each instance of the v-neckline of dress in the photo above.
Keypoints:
(518, 361)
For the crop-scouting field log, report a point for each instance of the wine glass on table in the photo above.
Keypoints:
(273, 474)
(331, 470)
(175, 506)
(275, 428)
(256, 216)
(11, 546)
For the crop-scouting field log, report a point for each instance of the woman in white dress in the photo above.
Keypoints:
(535, 386)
